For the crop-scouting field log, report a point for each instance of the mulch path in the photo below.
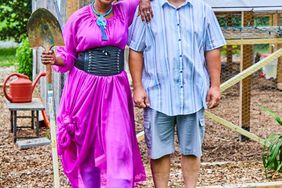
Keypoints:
(225, 160)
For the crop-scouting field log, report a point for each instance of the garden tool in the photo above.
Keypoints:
(44, 31)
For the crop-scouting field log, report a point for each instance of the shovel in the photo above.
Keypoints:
(44, 31)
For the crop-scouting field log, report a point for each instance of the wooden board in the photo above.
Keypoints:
(245, 85)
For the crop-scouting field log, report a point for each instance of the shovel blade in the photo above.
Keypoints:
(44, 30)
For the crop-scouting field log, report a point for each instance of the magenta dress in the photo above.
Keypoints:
(96, 138)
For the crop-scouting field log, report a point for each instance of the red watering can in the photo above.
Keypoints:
(21, 89)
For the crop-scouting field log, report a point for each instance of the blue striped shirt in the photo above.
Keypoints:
(175, 74)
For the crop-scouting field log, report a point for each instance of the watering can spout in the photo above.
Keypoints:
(37, 79)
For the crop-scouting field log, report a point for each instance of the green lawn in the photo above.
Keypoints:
(7, 57)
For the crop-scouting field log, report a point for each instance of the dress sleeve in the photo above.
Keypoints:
(214, 35)
(68, 52)
(132, 5)
(136, 34)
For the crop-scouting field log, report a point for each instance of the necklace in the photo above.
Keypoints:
(101, 21)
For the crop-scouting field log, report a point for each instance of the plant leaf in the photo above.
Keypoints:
(274, 115)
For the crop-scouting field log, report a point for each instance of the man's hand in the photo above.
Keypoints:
(213, 97)
(140, 98)
(145, 10)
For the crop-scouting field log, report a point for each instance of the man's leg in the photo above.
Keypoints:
(160, 171)
(159, 136)
(190, 168)
(190, 130)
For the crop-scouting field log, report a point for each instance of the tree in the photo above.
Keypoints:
(14, 15)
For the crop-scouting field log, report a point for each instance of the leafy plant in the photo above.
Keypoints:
(7, 57)
(24, 57)
(14, 15)
(272, 149)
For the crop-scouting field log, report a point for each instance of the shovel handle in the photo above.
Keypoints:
(48, 67)
(49, 73)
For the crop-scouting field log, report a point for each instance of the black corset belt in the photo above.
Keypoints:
(103, 61)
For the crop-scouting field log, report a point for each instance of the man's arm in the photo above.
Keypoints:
(214, 69)
(136, 68)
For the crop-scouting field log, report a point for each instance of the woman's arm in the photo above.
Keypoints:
(145, 10)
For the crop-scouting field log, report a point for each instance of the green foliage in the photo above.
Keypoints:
(262, 21)
(236, 21)
(7, 57)
(24, 58)
(274, 115)
(14, 15)
(272, 150)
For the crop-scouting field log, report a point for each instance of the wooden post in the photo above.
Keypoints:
(277, 22)
(229, 50)
(72, 6)
(271, 24)
(245, 85)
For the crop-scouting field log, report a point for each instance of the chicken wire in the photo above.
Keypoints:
(240, 103)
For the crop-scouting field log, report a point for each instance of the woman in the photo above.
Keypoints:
(96, 137)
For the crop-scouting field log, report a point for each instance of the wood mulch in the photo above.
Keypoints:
(225, 160)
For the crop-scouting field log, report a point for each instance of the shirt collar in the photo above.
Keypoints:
(163, 2)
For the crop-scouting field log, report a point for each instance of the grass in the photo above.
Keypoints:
(7, 57)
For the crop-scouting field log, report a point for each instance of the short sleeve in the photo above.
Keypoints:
(136, 35)
(67, 52)
(214, 35)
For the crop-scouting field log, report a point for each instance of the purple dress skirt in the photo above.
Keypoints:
(96, 137)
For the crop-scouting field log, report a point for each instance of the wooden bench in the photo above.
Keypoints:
(34, 107)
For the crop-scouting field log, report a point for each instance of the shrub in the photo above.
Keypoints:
(24, 58)
(14, 15)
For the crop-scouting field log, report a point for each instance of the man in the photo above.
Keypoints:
(175, 67)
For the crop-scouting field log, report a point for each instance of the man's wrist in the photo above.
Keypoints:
(137, 86)
(215, 86)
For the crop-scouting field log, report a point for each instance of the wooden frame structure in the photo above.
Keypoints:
(246, 37)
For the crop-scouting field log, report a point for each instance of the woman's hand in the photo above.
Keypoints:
(48, 58)
(145, 10)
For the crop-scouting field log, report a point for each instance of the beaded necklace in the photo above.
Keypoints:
(101, 21)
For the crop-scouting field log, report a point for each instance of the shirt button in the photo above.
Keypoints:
(181, 71)
(180, 55)
(179, 39)
(181, 86)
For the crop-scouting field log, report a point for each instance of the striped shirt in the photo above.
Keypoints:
(175, 74)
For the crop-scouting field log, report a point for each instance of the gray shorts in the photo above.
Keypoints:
(159, 133)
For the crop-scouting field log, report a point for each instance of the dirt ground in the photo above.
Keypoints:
(226, 160)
